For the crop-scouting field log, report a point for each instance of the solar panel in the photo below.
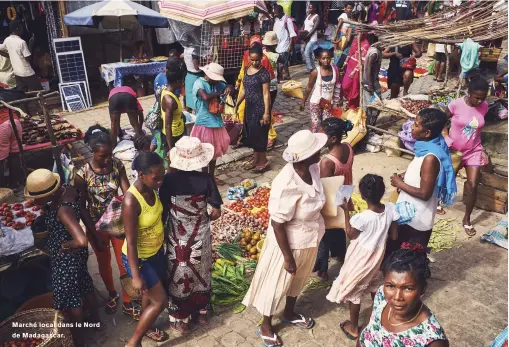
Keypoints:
(70, 61)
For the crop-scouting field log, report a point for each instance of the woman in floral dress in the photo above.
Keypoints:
(185, 195)
(399, 316)
(256, 92)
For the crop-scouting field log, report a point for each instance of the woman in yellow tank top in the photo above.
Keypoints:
(171, 107)
(142, 252)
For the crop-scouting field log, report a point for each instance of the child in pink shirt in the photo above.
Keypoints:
(467, 120)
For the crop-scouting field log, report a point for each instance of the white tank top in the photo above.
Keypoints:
(308, 26)
(323, 89)
(424, 210)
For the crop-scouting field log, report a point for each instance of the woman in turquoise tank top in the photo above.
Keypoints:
(142, 253)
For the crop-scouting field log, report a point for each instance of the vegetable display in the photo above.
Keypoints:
(229, 284)
(19, 216)
(414, 106)
(444, 234)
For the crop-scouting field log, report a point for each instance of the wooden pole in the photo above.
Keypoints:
(62, 11)
(361, 91)
(18, 140)
(53, 140)
(447, 66)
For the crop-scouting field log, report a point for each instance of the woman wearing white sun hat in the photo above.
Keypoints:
(209, 126)
(186, 194)
(296, 227)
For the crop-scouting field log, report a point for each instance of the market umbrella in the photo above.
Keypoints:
(116, 14)
(214, 11)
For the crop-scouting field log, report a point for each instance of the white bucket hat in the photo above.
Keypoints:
(302, 145)
(270, 39)
(190, 154)
(214, 71)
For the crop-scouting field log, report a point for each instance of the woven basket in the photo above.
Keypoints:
(127, 285)
(490, 55)
(43, 315)
(6, 195)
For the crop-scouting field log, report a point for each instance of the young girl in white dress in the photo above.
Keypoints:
(368, 233)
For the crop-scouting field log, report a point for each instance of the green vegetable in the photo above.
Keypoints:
(229, 251)
(239, 308)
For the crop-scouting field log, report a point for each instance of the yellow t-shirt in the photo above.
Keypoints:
(177, 123)
(150, 226)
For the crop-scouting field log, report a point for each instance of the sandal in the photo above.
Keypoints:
(469, 230)
(275, 339)
(203, 318)
(157, 335)
(310, 323)
(441, 211)
(262, 169)
(181, 327)
(112, 304)
(350, 336)
(133, 312)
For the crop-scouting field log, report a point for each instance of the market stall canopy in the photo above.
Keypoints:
(115, 14)
(214, 11)
(109, 14)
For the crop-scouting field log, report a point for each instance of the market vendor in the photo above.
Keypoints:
(401, 67)
(186, 195)
(72, 284)
(9, 150)
(17, 50)
(296, 227)
(124, 100)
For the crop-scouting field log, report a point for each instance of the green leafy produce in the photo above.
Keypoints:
(229, 250)
(229, 286)
(444, 234)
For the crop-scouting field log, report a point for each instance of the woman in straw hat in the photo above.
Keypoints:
(67, 246)
(296, 227)
(209, 126)
(142, 253)
(186, 194)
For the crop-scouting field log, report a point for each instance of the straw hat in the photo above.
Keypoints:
(214, 71)
(41, 183)
(303, 145)
(190, 154)
(270, 39)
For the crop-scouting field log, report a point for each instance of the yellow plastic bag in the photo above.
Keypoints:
(229, 107)
(358, 119)
(293, 89)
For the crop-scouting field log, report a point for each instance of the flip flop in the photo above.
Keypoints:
(309, 323)
(264, 338)
(441, 211)
(350, 336)
(157, 335)
(262, 169)
(133, 312)
(469, 230)
(112, 304)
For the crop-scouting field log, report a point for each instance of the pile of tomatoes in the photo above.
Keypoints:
(8, 214)
(260, 198)
(23, 343)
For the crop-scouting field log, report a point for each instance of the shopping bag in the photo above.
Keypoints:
(293, 89)
(229, 107)
(233, 128)
(358, 119)
(111, 220)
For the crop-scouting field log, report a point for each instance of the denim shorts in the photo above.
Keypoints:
(151, 269)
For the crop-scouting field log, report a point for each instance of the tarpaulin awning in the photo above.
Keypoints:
(195, 12)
